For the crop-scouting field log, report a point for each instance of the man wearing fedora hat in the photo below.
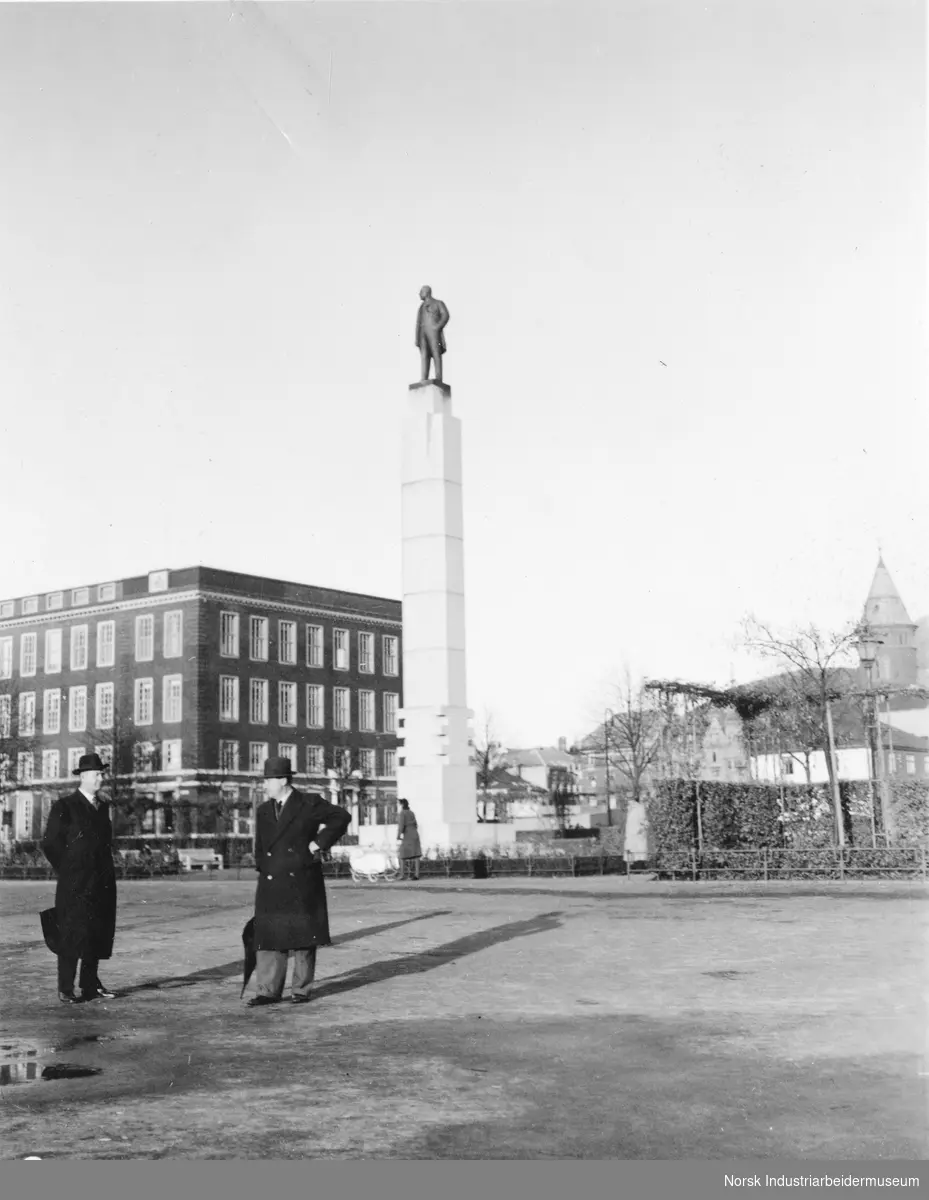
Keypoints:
(291, 916)
(78, 843)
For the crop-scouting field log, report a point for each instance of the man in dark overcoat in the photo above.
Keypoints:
(78, 843)
(291, 916)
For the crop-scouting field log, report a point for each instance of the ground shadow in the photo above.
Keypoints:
(228, 970)
(428, 960)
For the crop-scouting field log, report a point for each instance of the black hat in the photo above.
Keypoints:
(89, 762)
(278, 768)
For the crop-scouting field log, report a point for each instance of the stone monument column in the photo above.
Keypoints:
(435, 773)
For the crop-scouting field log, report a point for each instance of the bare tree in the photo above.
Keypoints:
(488, 756)
(816, 675)
(633, 734)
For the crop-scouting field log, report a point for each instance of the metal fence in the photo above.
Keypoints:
(905, 862)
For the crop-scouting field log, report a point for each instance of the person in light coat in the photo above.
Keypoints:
(409, 849)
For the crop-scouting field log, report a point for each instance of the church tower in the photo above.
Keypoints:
(884, 611)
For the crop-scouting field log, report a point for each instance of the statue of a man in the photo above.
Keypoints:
(430, 321)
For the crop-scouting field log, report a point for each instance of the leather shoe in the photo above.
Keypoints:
(300, 999)
(69, 998)
(257, 1001)
(98, 993)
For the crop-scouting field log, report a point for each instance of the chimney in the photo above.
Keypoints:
(563, 745)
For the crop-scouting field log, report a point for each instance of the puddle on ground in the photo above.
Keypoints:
(31, 1070)
(722, 974)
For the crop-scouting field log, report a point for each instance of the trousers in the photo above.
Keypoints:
(67, 969)
(271, 971)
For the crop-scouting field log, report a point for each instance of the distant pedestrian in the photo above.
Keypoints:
(410, 849)
(78, 843)
(291, 829)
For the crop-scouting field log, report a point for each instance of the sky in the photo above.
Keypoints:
(684, 251)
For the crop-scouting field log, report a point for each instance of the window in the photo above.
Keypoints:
(911, 764)
(80, 596)
(340, 649)
(390, 712)
(171, 698)
(286, 750)
(287, 642)
(158, 581)
(366, 653)
(53, 600)
(27, 654)
(30, 605)
(366, 762)
(106, 643)
(315, 711)
(258, 639)
(74, 756)
(7, 608)
(228, 756)
(144, 758)
(891, 764)
(143, 713)
(27, 714)
(341, 716)
(103, 706)
(171, 755)
(78, 647)
(287, 704)
(52, 651)
(174, 634)
(366, 711)
(25, 767)
(6, 711)
(228, 698)
(390, 763)
(229, 634)
(391, 656)
(314, 760)
(314, 645)
(6, 658)
(145, 638)
(787, 765)
(77, 709)
(51, 711)
(50, 764)
(106, 591)
(257, 753)
(258, 701)
(343, 760)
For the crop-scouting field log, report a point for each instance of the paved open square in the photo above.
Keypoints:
(538, 1018)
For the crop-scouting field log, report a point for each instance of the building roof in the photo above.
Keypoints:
(538, 756)
(501, 780)
(884, 605)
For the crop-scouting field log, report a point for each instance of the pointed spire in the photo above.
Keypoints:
(883, 605)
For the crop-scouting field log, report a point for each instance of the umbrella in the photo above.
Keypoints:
(50, 929)
(251, 957)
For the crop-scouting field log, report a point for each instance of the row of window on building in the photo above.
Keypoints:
(79, 646)
(172, 686)
(149, 758)
(173, 645)
(55, 600)
(288, 650)
(259, 691)
(345, 760)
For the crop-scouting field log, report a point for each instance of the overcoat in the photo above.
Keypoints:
(408, 833)
(78, 843)
(290, 903)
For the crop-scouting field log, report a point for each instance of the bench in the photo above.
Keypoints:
(204, 860)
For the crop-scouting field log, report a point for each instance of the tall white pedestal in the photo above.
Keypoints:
(435, 773)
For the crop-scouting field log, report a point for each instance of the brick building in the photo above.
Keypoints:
(185, 681)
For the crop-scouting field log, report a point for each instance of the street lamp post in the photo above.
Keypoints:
(608, 718)
(867, 654)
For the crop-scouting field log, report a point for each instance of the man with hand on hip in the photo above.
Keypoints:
(291, 916)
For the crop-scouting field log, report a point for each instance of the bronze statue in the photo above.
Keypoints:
(430, 321)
